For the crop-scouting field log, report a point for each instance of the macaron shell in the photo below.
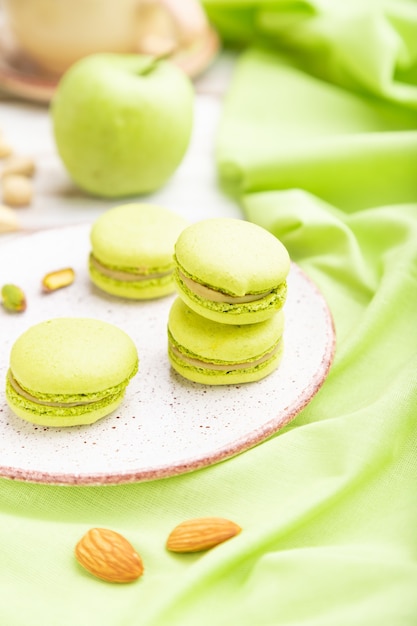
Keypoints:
(234, 314)
(233, 256)
(73, 356)
(134, 290)
(214, 342)
(137, 235)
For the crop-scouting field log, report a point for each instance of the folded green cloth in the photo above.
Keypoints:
(326, 160)
(363, 45)
(285, 129)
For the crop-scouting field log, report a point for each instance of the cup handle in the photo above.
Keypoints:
(166, 25)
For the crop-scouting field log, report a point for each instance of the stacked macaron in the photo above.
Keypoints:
(227, 323)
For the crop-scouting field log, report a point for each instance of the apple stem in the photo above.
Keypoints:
(153, 62)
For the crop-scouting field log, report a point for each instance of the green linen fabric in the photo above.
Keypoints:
(317, 143)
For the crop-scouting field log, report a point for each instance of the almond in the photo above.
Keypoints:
(109, 556)
(17, 190)
(9, 221)
(22, 165)
(5, 149)
(201, 533)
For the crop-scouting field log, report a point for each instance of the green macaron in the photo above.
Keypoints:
(211, 353)
(231, 271)
(69, 371)
(132, 252)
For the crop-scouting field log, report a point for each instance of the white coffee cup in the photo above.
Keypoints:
(53, 34)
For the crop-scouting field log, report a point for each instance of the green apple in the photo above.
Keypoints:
(122, 123)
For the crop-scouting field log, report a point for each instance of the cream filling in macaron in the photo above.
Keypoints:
(134, 276)
(224, 366)
(219, 296)
(21, 392)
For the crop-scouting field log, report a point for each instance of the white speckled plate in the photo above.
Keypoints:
(165, 425)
